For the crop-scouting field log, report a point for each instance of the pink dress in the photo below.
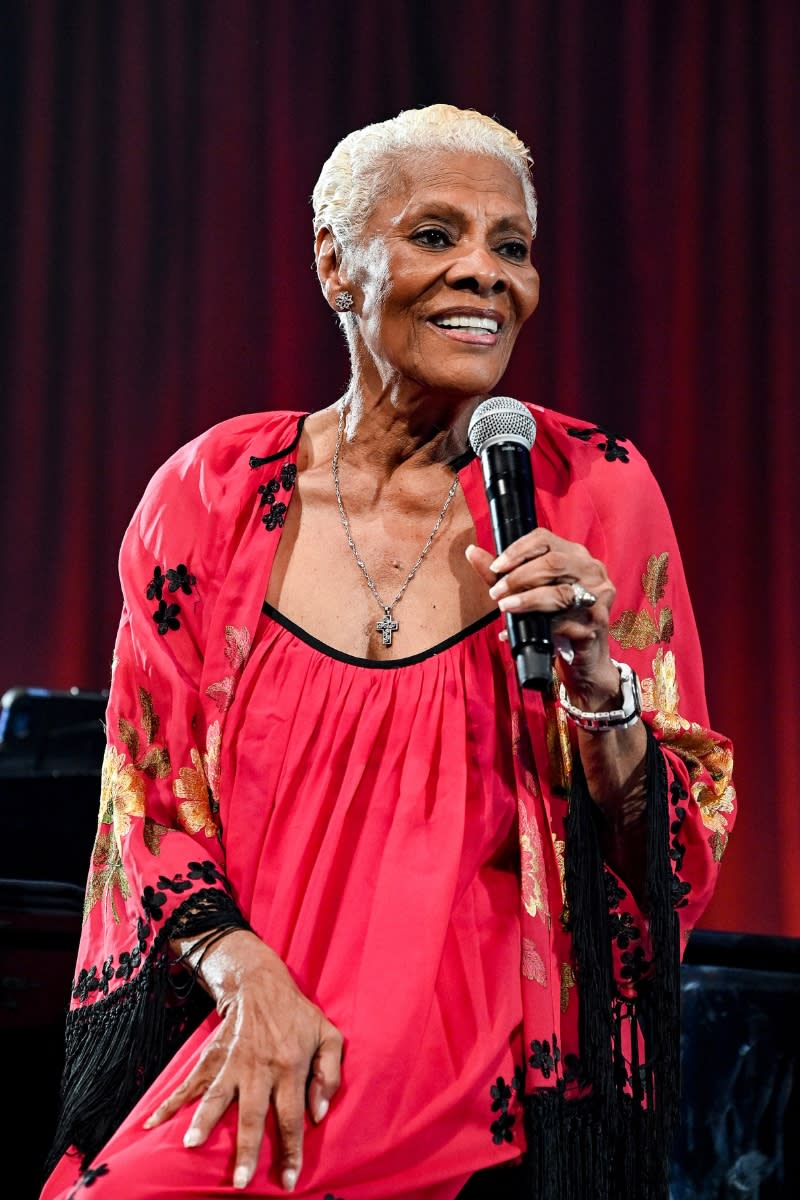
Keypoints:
(397, 833)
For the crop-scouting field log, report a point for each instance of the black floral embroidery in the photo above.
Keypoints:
(679, 889)
(93, 980)
(88, 1179)
(181, 579)
(129, 961)
(285, 479)
(177, 884)
(275, 516)
(502, 1127)
(153, 903)
(205, 903)
(622, 929)
(568, 1069)
(177, 579)
(543, 1059)
(156, 585)
(166, 617)
(573, 1072)
(206, 871)
(634, 965)
(610, 445)
(501, 1095)
(614, 893)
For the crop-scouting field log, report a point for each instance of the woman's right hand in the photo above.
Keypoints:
(271, 1046)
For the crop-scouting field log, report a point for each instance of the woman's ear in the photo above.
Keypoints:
(328, 255)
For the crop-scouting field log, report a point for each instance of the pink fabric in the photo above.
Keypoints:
(367, 817)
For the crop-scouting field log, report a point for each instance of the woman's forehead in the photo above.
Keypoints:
(450, 178)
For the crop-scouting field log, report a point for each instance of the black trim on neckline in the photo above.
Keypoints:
(371, 663)
(262, 462)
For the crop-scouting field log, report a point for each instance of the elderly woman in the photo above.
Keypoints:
(365, 918)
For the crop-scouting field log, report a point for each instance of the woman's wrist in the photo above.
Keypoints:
(613, 703)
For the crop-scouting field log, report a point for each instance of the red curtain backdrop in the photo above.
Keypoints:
(156, 163)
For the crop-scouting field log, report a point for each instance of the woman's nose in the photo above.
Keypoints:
(477, 270)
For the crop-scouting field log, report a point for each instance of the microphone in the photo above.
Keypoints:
(502, 432)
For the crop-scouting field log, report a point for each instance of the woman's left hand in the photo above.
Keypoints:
(536, 574)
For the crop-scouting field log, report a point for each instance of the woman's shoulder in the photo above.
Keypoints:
(206, 481)
(226, 445)
(592, 450)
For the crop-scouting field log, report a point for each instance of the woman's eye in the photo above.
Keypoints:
(516, 250)
(433, 238)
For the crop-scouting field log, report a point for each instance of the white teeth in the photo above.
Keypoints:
(482, 324)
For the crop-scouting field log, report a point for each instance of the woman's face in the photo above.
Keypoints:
(447, 281)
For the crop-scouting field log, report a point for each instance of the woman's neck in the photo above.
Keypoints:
(404, 426)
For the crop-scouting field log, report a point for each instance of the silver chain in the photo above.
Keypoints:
(387, 608)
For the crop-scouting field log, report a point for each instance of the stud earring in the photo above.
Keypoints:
(344, 301)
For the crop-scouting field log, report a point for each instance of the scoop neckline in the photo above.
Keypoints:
(370, 663)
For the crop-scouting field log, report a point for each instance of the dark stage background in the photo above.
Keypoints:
(156, 164)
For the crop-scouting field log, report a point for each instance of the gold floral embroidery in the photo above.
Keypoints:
(697, 746)
(222, 692)
(153, 833)
(121, 797)
(559, 847)
(559, 750)
(640, 629)
(237, 649)
(237, 646)
(654, 577)
(197, 787)
(567, 982)
(121, 792)
(155, 760)
(532, 867)
(108, 875)
(533, 967)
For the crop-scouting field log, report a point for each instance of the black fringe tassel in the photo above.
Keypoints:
(613, 1145)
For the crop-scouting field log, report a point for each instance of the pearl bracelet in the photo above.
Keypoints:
(619, 718)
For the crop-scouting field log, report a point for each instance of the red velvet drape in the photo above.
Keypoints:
(156, 160)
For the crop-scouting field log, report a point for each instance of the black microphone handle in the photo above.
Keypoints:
(508, 480)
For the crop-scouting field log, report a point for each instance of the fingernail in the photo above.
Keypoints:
(498, 589)
(191, 1137)
(321, 1110)
(150, 1122)
(503, 635)
(498, 564)
(241, 1177)
(289, 1179)
(509, 602)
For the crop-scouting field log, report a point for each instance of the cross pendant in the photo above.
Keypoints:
(387, 627)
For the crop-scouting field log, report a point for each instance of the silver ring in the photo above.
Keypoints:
(581, 598)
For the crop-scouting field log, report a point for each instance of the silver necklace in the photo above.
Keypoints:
(388, 625)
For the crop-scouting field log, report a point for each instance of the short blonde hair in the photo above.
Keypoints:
(361, 167)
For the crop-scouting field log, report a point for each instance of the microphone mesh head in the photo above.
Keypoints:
(500, 419)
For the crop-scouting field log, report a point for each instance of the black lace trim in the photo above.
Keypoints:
(98, 977)
(115, 1047)
(609, 445)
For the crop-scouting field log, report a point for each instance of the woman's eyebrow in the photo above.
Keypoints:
(432, 209)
